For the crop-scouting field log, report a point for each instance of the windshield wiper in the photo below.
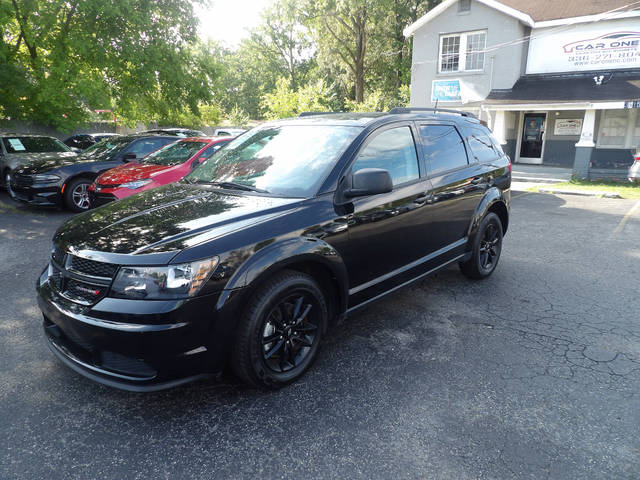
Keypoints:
(233, 186)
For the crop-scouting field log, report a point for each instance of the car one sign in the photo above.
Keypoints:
(609, 45)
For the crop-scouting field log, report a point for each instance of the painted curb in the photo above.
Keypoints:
(582, 193)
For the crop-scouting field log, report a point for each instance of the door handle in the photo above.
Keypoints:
(421, 199)
(476, 180)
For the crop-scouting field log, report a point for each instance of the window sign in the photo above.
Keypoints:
(568, 126)
(16, 144)
(446, 91)
(603, 45)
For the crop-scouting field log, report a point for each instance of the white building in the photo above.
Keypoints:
(558, 81)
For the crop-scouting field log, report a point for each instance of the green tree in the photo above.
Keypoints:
(281, 41)
(341, 30)
(285, 102)
(60, 59)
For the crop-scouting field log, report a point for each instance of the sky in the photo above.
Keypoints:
(227, 21)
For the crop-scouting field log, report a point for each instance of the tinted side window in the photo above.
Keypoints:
(442, 148)
(392, 150)
(148, 145)
(482, 147)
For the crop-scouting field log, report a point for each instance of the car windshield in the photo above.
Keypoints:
(34, 145)
(107, 148)
(175, 153)
(287, 160)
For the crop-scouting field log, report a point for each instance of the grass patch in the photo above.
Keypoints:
(628, 190)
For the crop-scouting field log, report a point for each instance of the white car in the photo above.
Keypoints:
(228, 132)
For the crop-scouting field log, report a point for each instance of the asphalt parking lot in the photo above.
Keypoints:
(533, 373)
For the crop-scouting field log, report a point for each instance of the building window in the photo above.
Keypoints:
(619, 129)
(464, 6)
(462, 52)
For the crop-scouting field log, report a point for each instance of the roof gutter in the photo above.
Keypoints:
(512, 12)
(523, 17)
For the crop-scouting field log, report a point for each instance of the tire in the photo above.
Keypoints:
(76, 195)
(487, 246)
(279, 333)
(5, 178)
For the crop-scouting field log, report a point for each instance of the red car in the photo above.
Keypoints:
(166, 165)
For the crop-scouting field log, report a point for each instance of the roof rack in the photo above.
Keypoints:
(309, 114)
(434, 110)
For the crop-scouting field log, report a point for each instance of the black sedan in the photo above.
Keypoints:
(65, 182)
(82, 141)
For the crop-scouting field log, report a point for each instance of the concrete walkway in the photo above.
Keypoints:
(540, 173)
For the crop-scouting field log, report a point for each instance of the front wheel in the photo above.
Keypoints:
(76, 196)
(486, 249)
(279, 333)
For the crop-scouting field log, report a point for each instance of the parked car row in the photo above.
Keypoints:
(42, 171)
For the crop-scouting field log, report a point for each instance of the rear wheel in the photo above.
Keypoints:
(6, 178)
(486, 249)
(76, 195)
(280, 331)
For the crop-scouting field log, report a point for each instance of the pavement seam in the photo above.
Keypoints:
(625, 219)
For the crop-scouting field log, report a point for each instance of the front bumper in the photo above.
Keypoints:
(133, 345)
(37, 195)
(99, 199)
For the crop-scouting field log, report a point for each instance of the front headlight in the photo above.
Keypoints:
(44, 178)
(161, 283)
(136, 184)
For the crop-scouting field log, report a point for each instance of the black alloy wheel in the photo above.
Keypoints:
(279, 334)
(289, 332)
(487, 247)
(76, 196)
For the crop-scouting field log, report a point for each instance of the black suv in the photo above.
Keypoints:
(252, 256)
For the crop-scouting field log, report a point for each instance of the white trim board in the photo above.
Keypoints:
(523, 17)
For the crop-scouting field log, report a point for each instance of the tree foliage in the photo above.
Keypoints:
(62, 59)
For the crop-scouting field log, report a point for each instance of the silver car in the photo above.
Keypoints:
(634, 170)
(19, 149)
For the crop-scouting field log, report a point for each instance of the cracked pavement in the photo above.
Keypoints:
(533, 373)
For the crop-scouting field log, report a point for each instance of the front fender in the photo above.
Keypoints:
(288, 252)
(491, 197)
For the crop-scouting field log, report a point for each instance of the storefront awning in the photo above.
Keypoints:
(621, 86)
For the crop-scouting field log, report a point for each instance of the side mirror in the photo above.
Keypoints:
(129, 156)
(370, 181)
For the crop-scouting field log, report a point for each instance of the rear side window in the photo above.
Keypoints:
(148, 145)
(392, 150)
(443, 148)
(483, 149)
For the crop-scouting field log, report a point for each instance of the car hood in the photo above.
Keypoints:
(167, 219)
(42, 165)
(48, 158)
(129, 173)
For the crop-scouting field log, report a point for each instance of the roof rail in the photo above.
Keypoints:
(434, 110)
(309, 114)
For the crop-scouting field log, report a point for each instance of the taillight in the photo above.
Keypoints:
(510, 166)
(638, 159)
